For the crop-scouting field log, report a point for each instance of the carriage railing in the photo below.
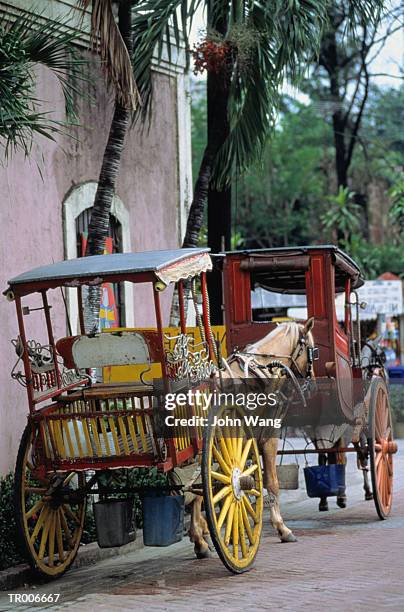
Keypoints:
(112, 431)
(48, 376)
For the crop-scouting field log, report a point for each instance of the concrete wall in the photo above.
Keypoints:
(33, 192)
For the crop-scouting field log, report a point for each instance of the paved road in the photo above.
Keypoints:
(345, 559)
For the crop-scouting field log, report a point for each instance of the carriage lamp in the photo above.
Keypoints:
(159, 286)
(363, 305)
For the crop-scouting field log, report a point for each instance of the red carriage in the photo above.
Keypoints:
(79, 428)
(320, 273)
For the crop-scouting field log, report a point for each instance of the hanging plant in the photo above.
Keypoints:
(216, 53)
(212, 54)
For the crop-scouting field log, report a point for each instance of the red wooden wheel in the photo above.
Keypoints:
(381, 447)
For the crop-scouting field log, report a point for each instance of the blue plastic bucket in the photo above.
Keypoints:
(325, 480)
(163, 520)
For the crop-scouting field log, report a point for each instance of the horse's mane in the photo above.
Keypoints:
(288, 328)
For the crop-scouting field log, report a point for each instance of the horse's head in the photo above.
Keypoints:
(287, 343)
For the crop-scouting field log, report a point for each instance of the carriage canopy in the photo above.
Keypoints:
(166, 266)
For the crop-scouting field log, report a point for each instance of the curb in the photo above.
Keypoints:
(88, 554)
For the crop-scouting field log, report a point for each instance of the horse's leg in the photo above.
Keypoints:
(340, 459)
(323, 504)
(363, 463)
(269, 450)
(198, 528)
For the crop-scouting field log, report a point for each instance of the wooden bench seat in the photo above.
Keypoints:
(107, 391)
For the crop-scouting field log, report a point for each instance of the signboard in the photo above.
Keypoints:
(382, 297)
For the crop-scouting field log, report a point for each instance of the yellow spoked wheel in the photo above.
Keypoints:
(49, 518)
(232, 486)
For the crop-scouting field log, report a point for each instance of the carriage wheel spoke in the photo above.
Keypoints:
(224, 511)
(37, 490)
(34, 509)
(45, 536)
(222, 493)
(253, 492)
(229, 523)
(239, 448)
(246, 522)
(39, 524)
(221, 477)
(235, 531)
(71, 514)
(244, 455)
(59, 538)
(223, 447)
(52, 539)
(243, 544)
(249, 508)
(66, 529)
(219, 458)
(250, 470)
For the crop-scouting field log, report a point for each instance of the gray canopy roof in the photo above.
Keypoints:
(106, 265)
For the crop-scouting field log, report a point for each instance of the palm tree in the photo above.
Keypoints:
(261, 41)
(264, 42)
(25, 43)
(114, 43)
(249, 49)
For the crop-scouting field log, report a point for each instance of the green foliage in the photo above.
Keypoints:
(23, 44)
(9, 548)
(342, 214)
(288, 35)
(279, 201)
(396, 194)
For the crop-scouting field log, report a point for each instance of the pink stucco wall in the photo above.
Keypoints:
(31, 212)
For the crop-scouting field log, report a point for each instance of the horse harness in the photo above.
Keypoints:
(245, 360)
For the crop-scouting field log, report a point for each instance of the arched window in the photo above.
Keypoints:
(114, 245)
(76, 214)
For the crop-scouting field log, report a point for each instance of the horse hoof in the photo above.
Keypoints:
(341, 502)
(323, 506)
(203, 554)
(368, 496)
(290, 537)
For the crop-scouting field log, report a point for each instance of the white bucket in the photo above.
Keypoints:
(288, 476)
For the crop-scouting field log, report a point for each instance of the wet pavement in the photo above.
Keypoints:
(344, 558)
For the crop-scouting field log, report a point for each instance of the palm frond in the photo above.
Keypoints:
(24, 43)
(158, 25)
(286, 34)
(108, 42)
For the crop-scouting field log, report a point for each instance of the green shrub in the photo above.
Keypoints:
(9, 550)
(10, 554)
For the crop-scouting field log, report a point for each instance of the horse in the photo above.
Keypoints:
(286, 346)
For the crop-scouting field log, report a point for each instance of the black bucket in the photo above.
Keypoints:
(163, 520)
(114, 522)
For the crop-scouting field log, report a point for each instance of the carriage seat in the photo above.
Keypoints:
(104, 349)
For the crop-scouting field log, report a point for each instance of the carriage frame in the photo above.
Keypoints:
(360, 389)
(79, 428)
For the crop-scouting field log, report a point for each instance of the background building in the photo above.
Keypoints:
(46, 199)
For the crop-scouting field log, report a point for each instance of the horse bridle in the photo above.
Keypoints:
(312, 355)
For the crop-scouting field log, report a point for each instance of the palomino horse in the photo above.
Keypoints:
(287, 344)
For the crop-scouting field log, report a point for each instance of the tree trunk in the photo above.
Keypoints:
(219, 203)
(99, 223)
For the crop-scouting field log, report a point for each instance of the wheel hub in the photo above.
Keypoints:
(388, 447)
(235, 481)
